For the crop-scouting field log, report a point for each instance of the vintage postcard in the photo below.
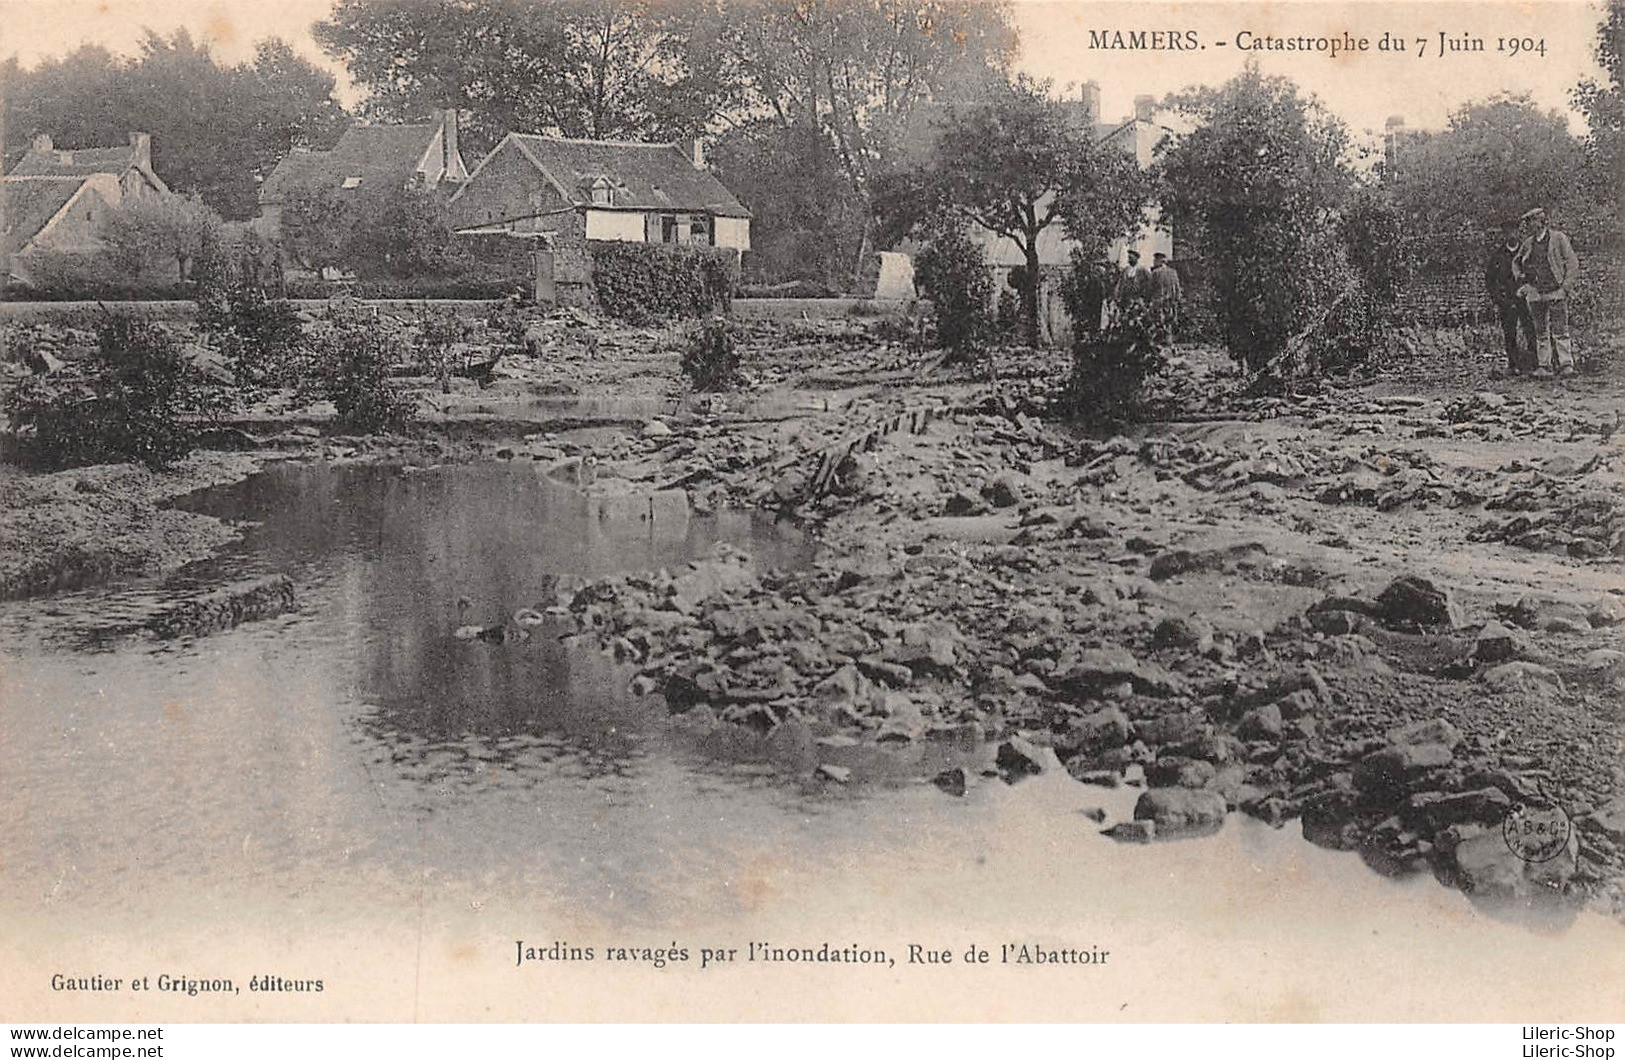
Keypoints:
(812, 510)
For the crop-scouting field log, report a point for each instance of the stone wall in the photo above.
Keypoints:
(1450, 300)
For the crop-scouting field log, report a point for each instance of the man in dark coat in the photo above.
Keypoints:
(1502, 282)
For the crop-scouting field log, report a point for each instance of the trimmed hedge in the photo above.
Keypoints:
(643, 282)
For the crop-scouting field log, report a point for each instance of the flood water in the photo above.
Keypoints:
(352, 767)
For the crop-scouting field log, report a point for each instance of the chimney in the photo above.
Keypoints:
(696, 153)
(1091, 101)
(450, 160)
(42, 142)
(1143, 106)
(141, 147)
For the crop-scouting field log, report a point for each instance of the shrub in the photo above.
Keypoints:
(1109, 367)
(138, 398)
(952, 273)
(438, 331)
(642, 283)
(260, 339)
(354, 351)
(711, 360)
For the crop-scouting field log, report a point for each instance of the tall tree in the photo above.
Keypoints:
(1495, 159)
(1260, 180)
(856, 71)
(1032, 167)
(599, 69)
(214, 127)
(1603, 104)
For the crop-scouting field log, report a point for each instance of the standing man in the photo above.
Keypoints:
(1166, 291)
(1501, 281)
(1548, 267)
(1135, 281)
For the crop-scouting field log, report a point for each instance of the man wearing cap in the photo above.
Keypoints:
(1547, 268)
(1501, 281)
(1165, 294)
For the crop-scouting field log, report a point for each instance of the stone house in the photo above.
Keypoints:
(52, 199)
(368, 160)
(565, 193)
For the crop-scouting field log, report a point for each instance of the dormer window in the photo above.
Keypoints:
(602, 193)
(351, 182)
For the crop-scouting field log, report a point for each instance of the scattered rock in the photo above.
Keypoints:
(954, 781)
(1432, 730)
(1206, 561)
(1429, 811)
(1393, 770)
(1412, 603)
(1132, 831)
(1004, 490)
(1018, 758)
(1185, 634)
(1181, 810)
(964, 502)
(1522, 677)
(1261, 723)
(1097, 732)
(838, 774)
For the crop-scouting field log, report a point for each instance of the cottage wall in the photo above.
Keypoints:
(74, 230)
(617, 226)
(732, 232)
(508, 192)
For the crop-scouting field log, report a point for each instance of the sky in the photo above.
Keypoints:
(1363, 88)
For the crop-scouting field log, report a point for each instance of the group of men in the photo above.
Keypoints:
(1530, 276)
(1109, 289)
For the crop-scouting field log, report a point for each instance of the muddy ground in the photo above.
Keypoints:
(1389, 609)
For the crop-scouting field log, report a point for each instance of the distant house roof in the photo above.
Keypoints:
(46, 160)
(643, 177)
(367, 158)
(80, 163)
(29, 205)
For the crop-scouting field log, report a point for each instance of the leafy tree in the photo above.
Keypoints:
(402, 233)
(1603, 104)
(808, 221)
(1494, 160)
(952, 272)
(855, 78)
(1259, 182)
(213, 126)
(315, 226)
(1032, 168)
(142, 232)
(632, 69)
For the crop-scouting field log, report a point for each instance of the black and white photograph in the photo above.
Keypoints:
(813, 511)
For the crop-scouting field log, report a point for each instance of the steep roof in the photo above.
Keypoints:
(643, 176)
(80, 163)
(30, 202)
(380, 155)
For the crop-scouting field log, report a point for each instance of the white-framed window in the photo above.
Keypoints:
(602, 193)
